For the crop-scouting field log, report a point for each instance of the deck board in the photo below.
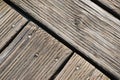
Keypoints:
(10, 23)
(78, 68)
(84, 25)
(34, 54)
(112, 4)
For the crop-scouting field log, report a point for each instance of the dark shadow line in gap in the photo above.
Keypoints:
(12, 38)
(61, 67)
(29, 17)
(111, 11)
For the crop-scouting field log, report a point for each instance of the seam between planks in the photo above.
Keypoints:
(61, 40)
(115, 14)
(24, 15)
(61, 67)
(7, 44)
(30, 18)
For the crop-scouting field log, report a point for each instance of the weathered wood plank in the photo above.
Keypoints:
(83, 24)
(10, 23)
(35, 56)
(79, 69)
(112, 4)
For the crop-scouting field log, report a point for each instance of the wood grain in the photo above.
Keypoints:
(79, 69)
(84, 25)
(112, 4)
(34, 55)
(10, 23)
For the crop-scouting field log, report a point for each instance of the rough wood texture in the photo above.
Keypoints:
(34, 55)
(112, 4)
(84, 25)
(10, 23)
(79, 69)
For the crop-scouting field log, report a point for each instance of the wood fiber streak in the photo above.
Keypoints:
(79, 69)
(84, 25)
(112, 4)
(35, 55)
(10, 23)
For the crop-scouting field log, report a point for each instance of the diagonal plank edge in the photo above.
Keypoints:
(78, 68)
(11, 22)
(112, 4)
(83, 24)
(34, 54)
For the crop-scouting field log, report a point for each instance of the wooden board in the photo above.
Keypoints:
(112, 4)
(79, 69)
(34, 54)
(10, 23)
(84, 25)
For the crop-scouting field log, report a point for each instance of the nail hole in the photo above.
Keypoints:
(36, 55)
(56, 59)
(13, 26)
(29, 36)
(77, 68)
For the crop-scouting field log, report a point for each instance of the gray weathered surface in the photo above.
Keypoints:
(10, 23)
(112, 4)
(34, 55)
(79, 69)
(84, 25)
